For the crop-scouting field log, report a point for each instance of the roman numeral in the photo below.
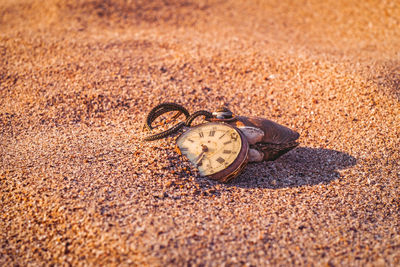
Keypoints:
(212, 133)
(201, 134)
(227, 142)
(227, 151)
(220, 160)
(234, 136)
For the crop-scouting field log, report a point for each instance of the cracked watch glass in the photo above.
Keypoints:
(218, 150)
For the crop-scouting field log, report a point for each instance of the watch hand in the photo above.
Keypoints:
(200, 158)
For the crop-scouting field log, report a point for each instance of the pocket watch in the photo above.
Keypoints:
(222, 146)
(218, 150)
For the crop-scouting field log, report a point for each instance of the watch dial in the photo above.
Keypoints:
(212, 147)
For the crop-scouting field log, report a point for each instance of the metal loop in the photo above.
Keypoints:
(158, 111)
(199, 113)
(166, 133)
(164, 108)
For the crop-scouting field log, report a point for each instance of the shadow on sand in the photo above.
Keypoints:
(302, 166)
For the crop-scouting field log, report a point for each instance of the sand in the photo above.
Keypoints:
(79, 187)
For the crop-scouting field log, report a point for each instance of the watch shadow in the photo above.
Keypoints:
(301, 166)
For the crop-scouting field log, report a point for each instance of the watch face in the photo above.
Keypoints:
(212, 147)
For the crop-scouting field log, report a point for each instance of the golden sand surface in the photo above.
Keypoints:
(79, 187)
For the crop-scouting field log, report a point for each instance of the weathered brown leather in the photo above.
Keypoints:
(277, 139)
